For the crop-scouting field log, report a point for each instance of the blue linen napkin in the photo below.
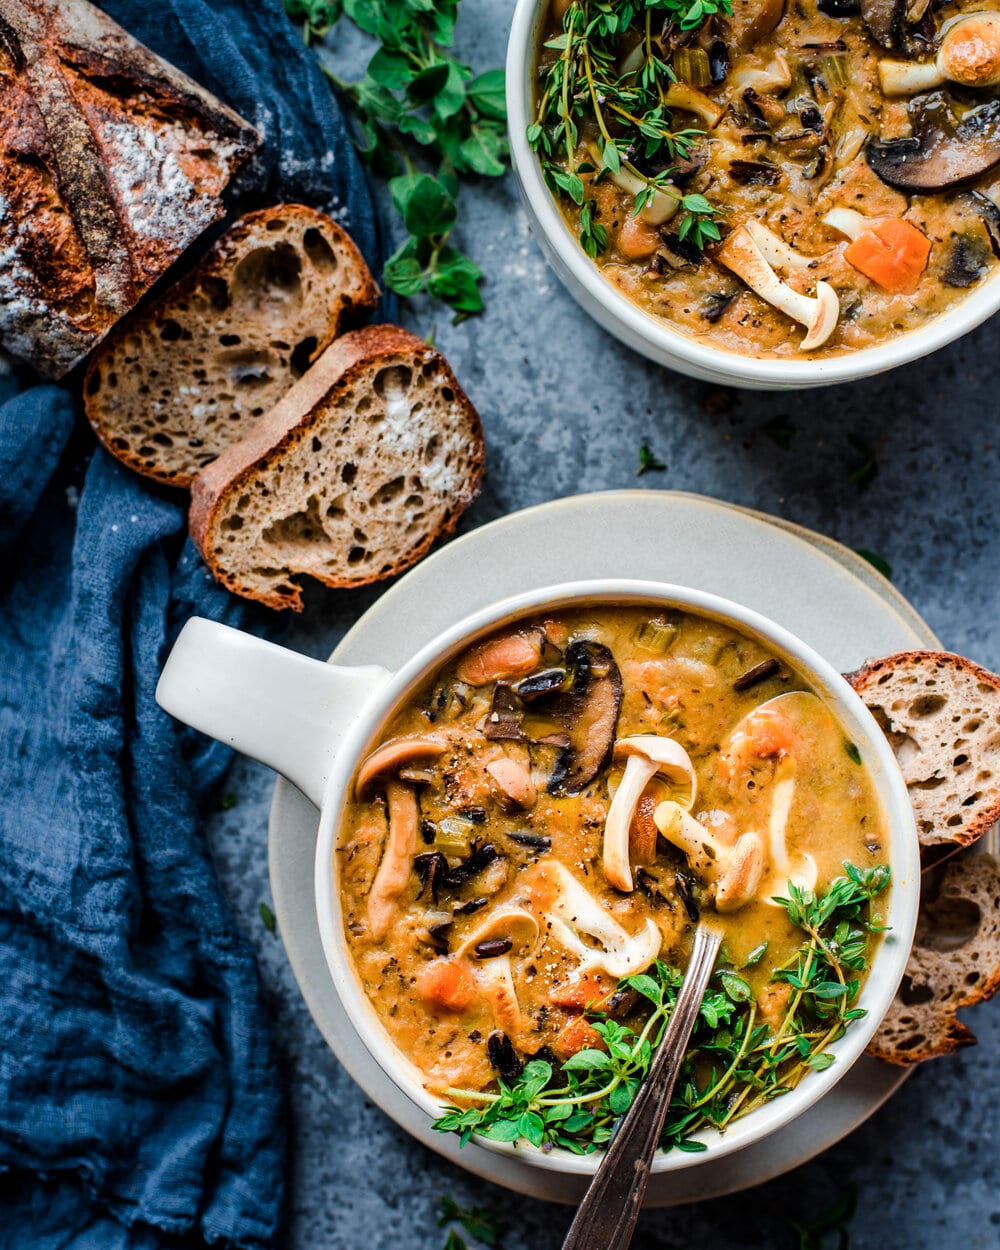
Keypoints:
(139, 1099)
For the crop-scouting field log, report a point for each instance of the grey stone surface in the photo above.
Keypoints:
(565, 409)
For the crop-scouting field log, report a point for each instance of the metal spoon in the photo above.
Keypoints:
(609, 1210)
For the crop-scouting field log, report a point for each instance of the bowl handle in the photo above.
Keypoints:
(278, 707)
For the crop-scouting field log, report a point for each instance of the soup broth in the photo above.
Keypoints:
(484, 903)
(807, 123)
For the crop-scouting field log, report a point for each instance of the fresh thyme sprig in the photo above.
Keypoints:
(423, 119)
(735, 1062)
(599, 116)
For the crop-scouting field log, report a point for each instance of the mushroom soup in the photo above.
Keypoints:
(530, 843)
(773, 178)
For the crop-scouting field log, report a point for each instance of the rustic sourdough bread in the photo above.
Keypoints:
(111, 163)
(955, 962)
(941, 714)
(368, 459)
(186, 376)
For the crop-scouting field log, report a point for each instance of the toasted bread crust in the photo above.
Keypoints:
(291, 422)
(937, 843)
(218, 264)
(104, 185)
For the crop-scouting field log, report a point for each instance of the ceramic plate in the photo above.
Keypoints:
(831, 598)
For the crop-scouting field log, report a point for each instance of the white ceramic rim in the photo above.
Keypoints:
(903, 852)
(644, 332)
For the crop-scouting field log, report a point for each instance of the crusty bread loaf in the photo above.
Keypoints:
(955, 962)
(111, 163)
(174, 385)
(368, 459)
(941, 713)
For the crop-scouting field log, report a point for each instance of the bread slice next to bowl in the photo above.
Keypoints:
(370, 457)
(941, 714)
(184, 378)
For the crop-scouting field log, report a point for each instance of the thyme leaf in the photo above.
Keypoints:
(735, 1062)
(648, 462)
(599, 117)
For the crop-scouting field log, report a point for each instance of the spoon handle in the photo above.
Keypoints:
(609, 1210)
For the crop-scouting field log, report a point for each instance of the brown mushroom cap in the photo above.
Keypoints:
(942, 153)
(589, 712)
(385, 761)
(884, 20)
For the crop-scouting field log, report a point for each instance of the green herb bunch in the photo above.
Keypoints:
(625, 116)
(423, 118)
(735, 1062)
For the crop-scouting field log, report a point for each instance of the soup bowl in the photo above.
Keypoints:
(652, 336)
(315, 722)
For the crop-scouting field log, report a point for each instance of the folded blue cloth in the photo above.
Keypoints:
(140, 1104)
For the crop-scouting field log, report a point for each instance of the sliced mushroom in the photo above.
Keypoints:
(658, 209)
(393, 755)
(884, 20)
(510, 930)
(819, 315)
(969, 54)
(774, 249)
(575, 915)
(736, 870)
(848, 221)
(943, 153)
(500, 659)
(753, 19)
(495, 978)
(397, 858)
(681, 95)
(802, 868)
(798, 731)
(900, 25)
(588, 711)
(503, 721)
(513, 780)
(774, 78)
(514, 923)
(646, 756)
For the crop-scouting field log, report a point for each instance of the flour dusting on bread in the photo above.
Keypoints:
(370, 457)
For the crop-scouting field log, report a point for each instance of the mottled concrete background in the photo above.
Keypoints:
(565, 410)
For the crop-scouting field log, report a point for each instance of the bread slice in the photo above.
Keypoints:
(941, 713)
(368, 459)
(955, 962)
(111, 163)
(185, 377)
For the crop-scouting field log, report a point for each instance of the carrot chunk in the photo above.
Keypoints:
(576, 995)
(893, 253)
(769, 734)
(445, 984)
(575, 1036)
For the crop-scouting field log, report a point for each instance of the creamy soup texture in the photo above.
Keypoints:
(553, 810)
(847, 150)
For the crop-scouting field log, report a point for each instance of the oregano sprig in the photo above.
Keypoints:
(423, 119)
(737, 1060)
